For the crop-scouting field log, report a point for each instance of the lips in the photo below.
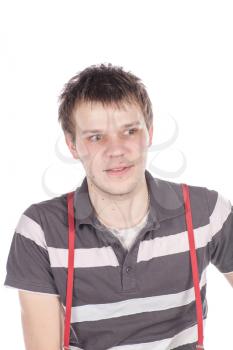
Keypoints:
(119, 168)
(118, 172)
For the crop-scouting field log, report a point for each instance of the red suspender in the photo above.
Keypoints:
(193, 256)
(69, 288)
(69, 291)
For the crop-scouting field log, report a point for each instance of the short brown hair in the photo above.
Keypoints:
(107, 84)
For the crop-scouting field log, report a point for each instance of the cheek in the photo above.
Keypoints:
(139, 144)
(89, 152)
(83, 149)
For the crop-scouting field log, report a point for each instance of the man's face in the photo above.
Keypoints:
(107, 138)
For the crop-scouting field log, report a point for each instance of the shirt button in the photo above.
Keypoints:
(128, 269)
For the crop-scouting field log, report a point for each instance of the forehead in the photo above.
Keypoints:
(95, 115)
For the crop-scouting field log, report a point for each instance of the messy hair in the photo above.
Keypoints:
(107, 84)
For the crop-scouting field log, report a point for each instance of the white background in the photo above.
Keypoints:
(182, 51)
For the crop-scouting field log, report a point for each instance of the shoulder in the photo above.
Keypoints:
(204, 200)
(209, 197)
(46, 219)
(217, 201)
(197, 193)
(49, 207)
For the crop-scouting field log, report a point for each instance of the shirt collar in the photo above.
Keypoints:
(166, 201)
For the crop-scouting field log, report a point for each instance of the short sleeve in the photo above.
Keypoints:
(28, 265)
(221, 231)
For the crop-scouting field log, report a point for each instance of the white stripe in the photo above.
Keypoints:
(96, 312)
(90, 257)
(32, 230)
(220, 213)
(105, 256)
(187, 336)
(173, 244)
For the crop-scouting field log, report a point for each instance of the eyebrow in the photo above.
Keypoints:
(84, 132)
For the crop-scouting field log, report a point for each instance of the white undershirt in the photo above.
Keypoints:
(127, 236)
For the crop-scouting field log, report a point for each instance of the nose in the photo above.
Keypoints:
(115, 147)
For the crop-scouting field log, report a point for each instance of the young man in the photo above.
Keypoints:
(133, 286)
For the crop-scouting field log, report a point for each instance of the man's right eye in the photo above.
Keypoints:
(93, 137)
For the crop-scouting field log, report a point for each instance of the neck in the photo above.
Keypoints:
(120, 211)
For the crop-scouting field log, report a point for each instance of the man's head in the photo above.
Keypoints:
(107, 118)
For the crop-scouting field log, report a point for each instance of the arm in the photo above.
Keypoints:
(42, 321)
(229, 277)
(221, 233)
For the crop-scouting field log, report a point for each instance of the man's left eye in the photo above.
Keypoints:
(133, 130)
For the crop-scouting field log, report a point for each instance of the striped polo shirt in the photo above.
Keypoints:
(141, 298)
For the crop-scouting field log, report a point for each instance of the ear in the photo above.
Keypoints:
(71, 145)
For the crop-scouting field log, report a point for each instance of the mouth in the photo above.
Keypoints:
(118, 171)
